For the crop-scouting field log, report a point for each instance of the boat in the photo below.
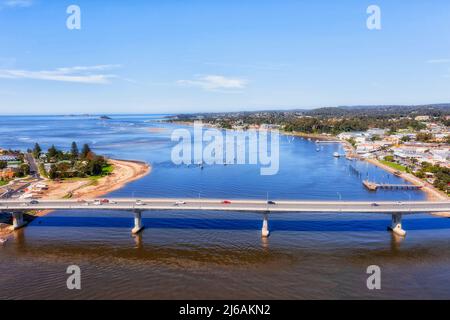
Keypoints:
(397, 173)
(336, 155)
(2, 241)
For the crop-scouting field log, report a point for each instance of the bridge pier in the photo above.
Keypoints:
(18, 220)
(137, 222)
(265, 227)
(396, 226)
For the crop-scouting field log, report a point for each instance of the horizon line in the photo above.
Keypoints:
(447, 104)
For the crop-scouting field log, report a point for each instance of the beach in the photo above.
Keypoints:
(124, 172)
(431, 192)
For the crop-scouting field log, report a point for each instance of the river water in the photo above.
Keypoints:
(214, 255)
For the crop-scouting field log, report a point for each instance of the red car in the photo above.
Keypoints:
(104, 201)
(226, 202)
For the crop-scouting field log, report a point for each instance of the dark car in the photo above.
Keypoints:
(271, 202)
(34, 202)
(375, 204)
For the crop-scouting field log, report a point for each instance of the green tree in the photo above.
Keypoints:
(37, 150)
(74, 150)
(53, 173)
(352, 141)
(85, 151)
(424, 137)
(52, 152)
(24, 169)
(447, 139)
(405, 138)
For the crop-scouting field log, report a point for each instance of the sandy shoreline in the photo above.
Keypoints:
(310, 136)
(431, 192)
(124, 172)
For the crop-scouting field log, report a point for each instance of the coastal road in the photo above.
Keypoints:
(147, 204)
(32, 163)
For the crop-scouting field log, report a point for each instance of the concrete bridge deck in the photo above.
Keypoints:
(235, 205)
(395, 208)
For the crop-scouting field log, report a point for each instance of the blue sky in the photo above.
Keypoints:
(201, 55)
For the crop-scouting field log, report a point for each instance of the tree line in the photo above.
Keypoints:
(73, 163)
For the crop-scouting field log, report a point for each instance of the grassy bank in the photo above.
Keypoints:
(393, 165)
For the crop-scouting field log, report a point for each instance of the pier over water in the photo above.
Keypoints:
(373, 186)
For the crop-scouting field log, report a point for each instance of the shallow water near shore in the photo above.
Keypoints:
(213, 254)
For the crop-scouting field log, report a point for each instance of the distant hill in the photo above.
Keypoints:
(382, 111)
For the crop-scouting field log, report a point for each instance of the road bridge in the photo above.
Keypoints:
(396, 208)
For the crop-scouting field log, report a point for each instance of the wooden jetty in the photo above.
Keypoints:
(373, 186)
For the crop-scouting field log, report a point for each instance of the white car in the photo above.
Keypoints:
(97, 203)
(179, 202)
(139, 203)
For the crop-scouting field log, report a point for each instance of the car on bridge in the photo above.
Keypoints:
(226, 202)
(271, 202)
(179, 202)
(139, 203)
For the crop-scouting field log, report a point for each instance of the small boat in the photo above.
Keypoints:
(336, 155)
(397, 173)
(2, 241)
(317, 149)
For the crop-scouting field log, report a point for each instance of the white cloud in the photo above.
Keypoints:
(215, 82)
(436, 61)
(80, 74)
(18, 3)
